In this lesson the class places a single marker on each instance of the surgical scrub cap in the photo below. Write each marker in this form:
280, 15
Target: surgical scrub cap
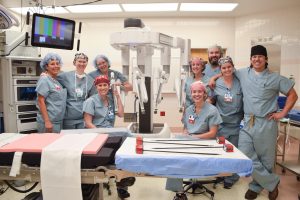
215, 46
101, 79
48, 57
259, 50
198, 85
203, 62
101, 57
224, 60
80, 55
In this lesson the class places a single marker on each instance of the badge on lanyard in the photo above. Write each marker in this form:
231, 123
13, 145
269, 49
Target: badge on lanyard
111, 114
79, 92
57, 87
228, 96
191, 119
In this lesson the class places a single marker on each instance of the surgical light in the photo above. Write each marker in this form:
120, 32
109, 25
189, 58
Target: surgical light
218, 7
150, 7
95, 8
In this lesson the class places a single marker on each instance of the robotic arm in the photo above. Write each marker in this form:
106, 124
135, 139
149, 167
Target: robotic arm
139, 81
163, 74
185, 46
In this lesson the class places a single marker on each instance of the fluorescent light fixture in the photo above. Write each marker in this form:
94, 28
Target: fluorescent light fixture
45, 10
208, 6
150, 7
95, 8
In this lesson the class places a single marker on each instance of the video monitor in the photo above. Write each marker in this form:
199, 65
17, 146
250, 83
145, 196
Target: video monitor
52, 32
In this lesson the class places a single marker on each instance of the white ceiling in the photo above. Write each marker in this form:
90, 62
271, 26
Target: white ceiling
245, 7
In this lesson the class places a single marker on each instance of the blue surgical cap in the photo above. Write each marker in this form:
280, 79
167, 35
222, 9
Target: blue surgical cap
48, 57
101, 57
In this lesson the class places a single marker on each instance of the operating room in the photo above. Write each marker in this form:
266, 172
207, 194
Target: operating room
148, 137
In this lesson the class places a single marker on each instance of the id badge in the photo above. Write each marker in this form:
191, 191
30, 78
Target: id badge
191, 119
228, 97
79, 92
111, 114
57, 87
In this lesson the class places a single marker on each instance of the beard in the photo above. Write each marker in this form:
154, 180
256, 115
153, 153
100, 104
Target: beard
214, 61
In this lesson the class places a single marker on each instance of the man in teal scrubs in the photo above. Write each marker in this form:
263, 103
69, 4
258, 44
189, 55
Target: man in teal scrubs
257, 139
212, 68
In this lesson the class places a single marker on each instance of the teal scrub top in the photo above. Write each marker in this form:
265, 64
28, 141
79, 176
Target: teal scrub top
55, 99
229, 101
260, 92
210, 72
117, 75
78, 90
103, 116
202, 122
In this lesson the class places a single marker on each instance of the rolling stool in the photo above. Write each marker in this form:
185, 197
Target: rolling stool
194, 185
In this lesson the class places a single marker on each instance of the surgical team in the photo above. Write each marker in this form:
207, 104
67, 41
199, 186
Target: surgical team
218, 98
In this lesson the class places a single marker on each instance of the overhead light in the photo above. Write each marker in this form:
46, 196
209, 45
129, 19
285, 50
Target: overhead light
45, 10
95, 8
150, 7
208, 6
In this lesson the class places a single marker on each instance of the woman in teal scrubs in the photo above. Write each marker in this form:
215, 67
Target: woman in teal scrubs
102, 65
197, 67
51, 96
229, 102
201, 120
79, 87
99, 109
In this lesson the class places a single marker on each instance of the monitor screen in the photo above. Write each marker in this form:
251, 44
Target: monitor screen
52, 32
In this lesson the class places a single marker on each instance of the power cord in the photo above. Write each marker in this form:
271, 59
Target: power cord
21, 191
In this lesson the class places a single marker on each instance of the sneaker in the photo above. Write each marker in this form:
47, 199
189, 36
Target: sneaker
122, 193
228, 185
250, 195
274, 194
126, 182
180, 196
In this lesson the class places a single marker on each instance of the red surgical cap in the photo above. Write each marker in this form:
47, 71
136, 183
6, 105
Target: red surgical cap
101, 79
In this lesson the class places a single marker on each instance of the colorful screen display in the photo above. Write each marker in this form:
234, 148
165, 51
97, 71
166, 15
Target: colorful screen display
52, 32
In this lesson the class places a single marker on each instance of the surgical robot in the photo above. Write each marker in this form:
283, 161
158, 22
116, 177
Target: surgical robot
136, 37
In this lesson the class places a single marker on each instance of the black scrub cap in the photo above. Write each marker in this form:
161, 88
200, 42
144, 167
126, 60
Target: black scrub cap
259, 50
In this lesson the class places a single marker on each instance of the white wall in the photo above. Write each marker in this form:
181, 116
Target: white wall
284, 23
203, 32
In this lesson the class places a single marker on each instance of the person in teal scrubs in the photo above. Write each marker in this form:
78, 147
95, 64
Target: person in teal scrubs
99, 109
201, 120
197, 66
99, 112
51, 96
228, 98
102, 65
79, 87
258, 137
212, 68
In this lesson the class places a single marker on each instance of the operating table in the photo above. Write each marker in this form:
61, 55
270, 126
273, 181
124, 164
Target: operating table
119, 160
